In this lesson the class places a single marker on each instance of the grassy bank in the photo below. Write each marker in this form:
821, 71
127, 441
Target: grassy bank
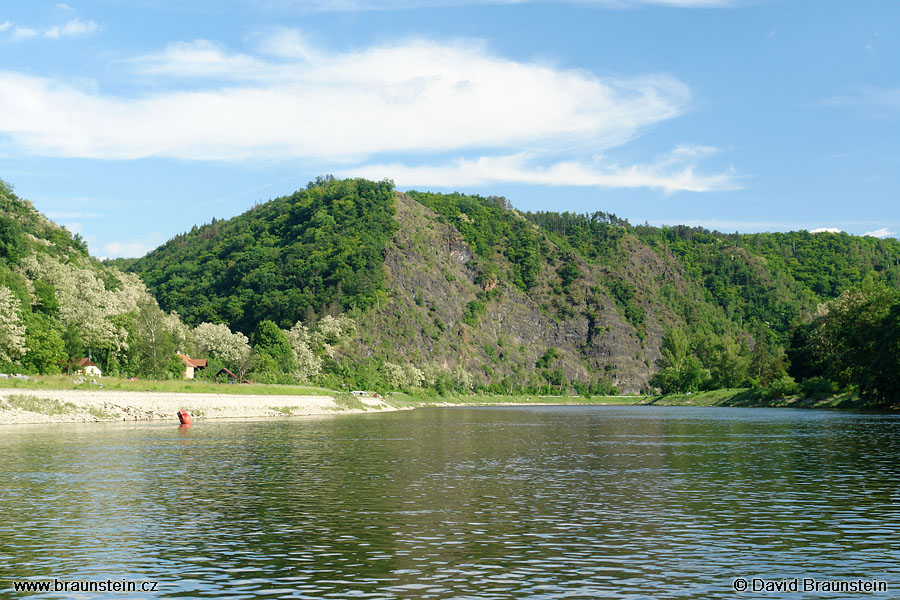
402, 400
742, 397
746, 397
750, 397
192, 386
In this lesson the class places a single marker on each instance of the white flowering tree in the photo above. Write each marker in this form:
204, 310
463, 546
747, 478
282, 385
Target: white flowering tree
218, 341
308, 365
12, 329
331, 331
462, 379
403, 376
85, 301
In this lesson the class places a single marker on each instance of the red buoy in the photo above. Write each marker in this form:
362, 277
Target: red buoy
184, 417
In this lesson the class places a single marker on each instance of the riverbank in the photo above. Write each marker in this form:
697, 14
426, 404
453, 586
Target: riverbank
58, 400
78, 406
759, 398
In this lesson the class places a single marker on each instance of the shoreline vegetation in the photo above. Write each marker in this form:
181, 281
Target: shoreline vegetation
58, 399
350, 284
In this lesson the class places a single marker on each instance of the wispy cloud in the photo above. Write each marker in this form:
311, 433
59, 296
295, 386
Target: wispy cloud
504, 120
73, 28
65, 7
23, 33
672, 173
206, 59
881, 233
133, 248
372, 5
870, 102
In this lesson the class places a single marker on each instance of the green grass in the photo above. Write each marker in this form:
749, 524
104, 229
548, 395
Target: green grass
44, 406
758, 398
195, 386
101, 414
402, 400
346, 401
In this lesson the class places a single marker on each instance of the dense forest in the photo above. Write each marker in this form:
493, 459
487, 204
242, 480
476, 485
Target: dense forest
350, 283
318, 250
58, 305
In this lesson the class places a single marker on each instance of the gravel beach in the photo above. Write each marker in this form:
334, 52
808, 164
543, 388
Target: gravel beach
78, 406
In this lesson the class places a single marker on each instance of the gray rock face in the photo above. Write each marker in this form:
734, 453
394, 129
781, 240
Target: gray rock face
431, 274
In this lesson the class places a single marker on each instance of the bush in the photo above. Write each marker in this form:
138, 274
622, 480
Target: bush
782, 387
817, 386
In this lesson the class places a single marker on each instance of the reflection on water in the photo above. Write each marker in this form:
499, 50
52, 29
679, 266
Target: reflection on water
536, 502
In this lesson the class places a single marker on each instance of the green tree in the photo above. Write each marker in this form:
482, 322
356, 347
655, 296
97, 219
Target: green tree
273, 350
73, 346
153, 343
46, 350
678, 369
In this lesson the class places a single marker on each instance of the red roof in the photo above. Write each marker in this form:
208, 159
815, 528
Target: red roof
197, 363
86, 362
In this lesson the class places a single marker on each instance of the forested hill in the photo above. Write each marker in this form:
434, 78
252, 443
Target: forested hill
768, 277
320, 249
59, 305
519, 300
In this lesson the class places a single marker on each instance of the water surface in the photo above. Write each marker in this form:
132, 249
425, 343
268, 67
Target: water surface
501, 502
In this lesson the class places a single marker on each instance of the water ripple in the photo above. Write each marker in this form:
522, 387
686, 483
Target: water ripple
537, 502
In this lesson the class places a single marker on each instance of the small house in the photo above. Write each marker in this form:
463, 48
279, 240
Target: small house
89, 367
191, 365
229, 376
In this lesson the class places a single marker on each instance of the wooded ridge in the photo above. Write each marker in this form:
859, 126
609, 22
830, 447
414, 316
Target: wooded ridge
351, 283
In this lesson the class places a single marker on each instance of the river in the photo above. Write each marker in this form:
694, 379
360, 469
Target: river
498, 502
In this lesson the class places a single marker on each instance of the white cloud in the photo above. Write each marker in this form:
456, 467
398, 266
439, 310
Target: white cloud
202, 58
825, 230
670, 174
415, 96
289, 44
23, 33
881, 233
133, 248
504, 120
871, 102
74, 227
65, 7
74, 28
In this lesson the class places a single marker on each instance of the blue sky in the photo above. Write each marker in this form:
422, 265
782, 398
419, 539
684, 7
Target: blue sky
129, 122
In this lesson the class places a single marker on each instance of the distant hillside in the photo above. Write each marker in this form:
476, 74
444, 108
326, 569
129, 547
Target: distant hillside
59, 305
519, 300
317, 250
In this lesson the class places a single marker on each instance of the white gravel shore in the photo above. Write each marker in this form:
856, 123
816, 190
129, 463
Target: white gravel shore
77, 406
